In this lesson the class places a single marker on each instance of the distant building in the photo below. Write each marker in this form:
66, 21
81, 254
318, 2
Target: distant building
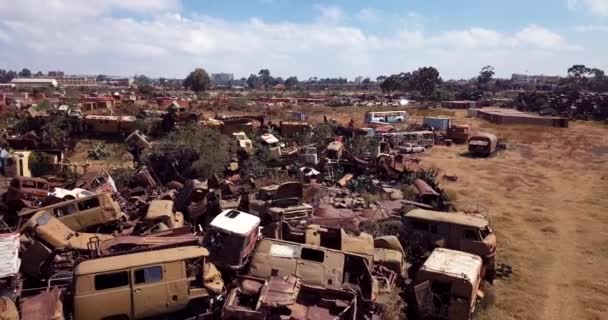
118, 81
222, 79
34, 83
77, 81
56, 74
521, 79
358, 80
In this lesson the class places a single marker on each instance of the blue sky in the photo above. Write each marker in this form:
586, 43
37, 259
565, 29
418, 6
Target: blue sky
303, 37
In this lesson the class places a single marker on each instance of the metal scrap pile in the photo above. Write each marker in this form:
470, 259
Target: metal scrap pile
229, 248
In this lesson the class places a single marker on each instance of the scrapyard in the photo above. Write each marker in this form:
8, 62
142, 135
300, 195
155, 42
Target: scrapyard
325, 222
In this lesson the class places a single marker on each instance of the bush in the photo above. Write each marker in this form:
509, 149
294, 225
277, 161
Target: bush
193, 151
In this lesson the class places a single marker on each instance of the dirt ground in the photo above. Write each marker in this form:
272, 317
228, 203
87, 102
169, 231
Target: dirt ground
547, 199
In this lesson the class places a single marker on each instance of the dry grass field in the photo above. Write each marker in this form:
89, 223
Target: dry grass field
547, 198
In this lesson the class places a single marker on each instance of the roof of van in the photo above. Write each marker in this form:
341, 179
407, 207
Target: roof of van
449, 217
235, 221
484, 135
139, 259
456, 264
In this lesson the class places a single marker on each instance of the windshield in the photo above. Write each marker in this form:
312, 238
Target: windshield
486, 232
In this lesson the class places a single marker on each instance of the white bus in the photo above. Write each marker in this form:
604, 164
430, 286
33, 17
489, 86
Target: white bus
422, 138
386, 116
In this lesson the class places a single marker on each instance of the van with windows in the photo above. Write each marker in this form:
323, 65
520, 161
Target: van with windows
456, 231
81, 214
396, 116
146, 284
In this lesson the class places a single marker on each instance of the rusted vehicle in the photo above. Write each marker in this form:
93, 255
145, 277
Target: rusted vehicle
231, 238
138, 140
46, 305
81, 214
17, 162
161, 213
294, 130
146, 284
260, 299
387, 251
95, 181
456, 231
99, 124
10, 278
280, 202
316, 266
334, 151
447, 285
44, 240
244, 142
483, 144
25, 192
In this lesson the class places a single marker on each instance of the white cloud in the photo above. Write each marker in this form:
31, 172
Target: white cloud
597, 7
591, 28
165, 42
330, 14
369, 15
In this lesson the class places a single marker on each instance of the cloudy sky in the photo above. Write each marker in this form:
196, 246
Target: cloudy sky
303, 37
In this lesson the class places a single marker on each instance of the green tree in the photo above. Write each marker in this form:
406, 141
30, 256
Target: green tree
485, 75
25, 73
578, 71
193, 151
425, 80
253, 81
198, 80
291, 82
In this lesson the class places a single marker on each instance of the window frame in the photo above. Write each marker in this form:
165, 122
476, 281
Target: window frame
145, 275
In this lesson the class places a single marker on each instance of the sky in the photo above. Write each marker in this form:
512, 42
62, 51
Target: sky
305, 38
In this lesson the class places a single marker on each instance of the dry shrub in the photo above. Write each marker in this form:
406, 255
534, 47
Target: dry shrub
394, 308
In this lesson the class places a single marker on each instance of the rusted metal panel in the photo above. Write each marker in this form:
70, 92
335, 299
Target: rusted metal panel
45, 306
424, 189
424, 299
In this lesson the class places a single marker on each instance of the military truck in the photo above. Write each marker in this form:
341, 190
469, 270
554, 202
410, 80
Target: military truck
280, 202
456, 231
147, 284
483, 144
447, 285
317, 266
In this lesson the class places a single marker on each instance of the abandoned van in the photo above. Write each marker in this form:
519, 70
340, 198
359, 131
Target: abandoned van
483, 144
145, 284
231, 238
316, 266
448, 285
82, 213
24, 192
456, 231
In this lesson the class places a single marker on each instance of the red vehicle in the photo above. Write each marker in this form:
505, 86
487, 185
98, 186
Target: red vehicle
25, 192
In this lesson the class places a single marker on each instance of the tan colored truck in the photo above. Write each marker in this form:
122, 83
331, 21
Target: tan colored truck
448, 285
146, 284
456, 231
483, 144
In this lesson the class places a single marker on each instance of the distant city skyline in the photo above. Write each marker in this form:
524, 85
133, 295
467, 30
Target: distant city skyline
338, 38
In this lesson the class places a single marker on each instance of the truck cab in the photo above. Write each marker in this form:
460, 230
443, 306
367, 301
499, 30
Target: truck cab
231, 238
280, 202
456, 231
448, 285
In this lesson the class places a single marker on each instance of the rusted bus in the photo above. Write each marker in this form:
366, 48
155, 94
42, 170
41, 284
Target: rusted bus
294, 130
100, 124
259, 299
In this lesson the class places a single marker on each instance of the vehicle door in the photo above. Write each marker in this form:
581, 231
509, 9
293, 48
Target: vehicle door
149, 291
471, 242
91, 212
311, 266
109, 295
439, 234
